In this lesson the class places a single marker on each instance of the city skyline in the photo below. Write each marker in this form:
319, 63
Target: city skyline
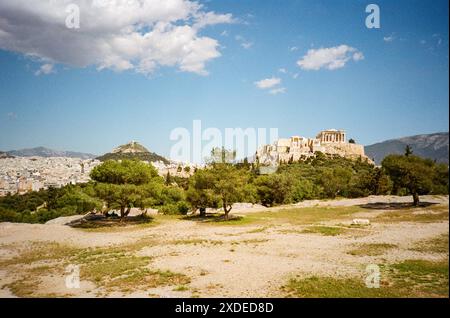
301, 67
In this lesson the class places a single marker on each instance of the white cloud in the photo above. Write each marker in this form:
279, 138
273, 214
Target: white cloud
329, 58
389, 38
295, 76
224, 33
211, 18
293, 48
268, 82
139, 35
276, 91
282, 70
272, 85
247, 45
45, 69
358, 56
244, 43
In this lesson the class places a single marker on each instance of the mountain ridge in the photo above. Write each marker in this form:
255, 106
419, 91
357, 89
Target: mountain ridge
47, 152
434, 146
132, 150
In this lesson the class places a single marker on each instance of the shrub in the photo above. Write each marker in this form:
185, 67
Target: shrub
302, 190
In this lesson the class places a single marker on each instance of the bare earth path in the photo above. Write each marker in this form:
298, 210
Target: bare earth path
244, 259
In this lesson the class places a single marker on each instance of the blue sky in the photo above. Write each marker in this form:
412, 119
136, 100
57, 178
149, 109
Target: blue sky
399, 88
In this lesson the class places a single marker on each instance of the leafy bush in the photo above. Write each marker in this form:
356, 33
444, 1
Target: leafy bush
302, 190
181, 207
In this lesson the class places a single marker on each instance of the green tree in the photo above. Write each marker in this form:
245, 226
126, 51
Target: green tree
302, 189
274, 188
382, 184
200, 192
410, 172
168, 178
408, 151
229, 184
335, 181
121, 184
124, 172
122, 197
219, 181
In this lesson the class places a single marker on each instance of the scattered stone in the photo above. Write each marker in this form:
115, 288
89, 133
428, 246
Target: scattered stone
361, 222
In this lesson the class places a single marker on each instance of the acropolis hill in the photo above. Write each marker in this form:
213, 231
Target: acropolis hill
331, 141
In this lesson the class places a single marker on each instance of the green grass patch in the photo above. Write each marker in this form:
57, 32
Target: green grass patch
411, 278
195, 242
371, 249
181, 288
330, 287
324, 230
438, 244
421, 278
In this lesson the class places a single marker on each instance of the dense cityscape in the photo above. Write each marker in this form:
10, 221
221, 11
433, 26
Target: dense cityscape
24, 174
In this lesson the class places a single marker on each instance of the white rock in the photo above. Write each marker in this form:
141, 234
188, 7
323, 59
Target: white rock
360, 222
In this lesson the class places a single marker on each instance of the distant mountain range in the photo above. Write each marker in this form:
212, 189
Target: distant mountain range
46, 152
434, 146
132, 150
4, 155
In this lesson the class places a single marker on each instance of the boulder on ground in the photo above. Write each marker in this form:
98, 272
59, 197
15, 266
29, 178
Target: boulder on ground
361, 222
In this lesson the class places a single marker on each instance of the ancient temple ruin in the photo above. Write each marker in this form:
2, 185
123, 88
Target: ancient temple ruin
295, 148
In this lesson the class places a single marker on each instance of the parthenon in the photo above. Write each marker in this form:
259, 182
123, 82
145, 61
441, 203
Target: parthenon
330, 141
332, 135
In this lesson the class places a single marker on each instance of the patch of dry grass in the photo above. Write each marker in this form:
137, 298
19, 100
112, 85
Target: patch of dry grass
302, 216
371, 249
431, 214
438, 244
114, 268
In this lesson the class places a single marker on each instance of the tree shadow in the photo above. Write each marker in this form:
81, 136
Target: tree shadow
212, 218
100, 221
394, 205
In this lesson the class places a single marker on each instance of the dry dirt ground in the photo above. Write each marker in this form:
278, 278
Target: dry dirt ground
252, 256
